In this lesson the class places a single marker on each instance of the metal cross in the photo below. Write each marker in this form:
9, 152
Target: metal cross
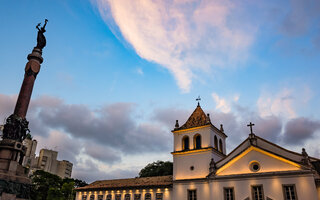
198, 99
251, 125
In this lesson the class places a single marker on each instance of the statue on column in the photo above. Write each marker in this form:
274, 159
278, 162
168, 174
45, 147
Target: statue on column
41, 39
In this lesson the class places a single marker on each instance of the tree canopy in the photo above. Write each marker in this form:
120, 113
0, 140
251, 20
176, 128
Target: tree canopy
158, 168
47, 186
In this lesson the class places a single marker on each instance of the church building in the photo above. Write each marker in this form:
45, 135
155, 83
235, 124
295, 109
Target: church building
256, 169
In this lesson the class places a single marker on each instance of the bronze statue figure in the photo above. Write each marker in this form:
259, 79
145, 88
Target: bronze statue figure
41, 40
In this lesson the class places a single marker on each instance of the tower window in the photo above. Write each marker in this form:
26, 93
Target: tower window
185, 143
197, 141
220, 146
215, 142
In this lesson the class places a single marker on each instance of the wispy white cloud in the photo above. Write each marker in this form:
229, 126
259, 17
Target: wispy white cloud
183, 36
221, 103
224, 104
280, 103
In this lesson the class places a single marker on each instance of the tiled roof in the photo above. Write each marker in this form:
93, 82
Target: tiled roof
157, 181
196, 119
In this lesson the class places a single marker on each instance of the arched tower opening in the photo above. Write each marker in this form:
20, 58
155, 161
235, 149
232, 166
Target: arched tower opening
197, 141
185, 143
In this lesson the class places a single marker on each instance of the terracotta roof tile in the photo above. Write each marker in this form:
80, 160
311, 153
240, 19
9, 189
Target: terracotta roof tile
157, 181
196, 119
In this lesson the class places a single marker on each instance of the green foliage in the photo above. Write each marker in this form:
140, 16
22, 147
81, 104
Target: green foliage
41, 183
47, 186
158, 168
67, 190
54, 194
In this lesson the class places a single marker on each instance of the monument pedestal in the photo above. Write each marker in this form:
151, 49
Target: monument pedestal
14, 181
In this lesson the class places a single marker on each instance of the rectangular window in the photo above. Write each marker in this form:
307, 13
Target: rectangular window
159, 196
92, 197
84, 197
257, 192
228, 194
289, 192
137, 196
192, 194
147, 196
109, 197
100, 197
127, 197
118, 196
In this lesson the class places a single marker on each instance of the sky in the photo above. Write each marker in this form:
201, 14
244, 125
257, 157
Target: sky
118, 73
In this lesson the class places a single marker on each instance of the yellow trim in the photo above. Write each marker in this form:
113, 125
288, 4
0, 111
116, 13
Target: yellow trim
258, 150
190, 129
191, 151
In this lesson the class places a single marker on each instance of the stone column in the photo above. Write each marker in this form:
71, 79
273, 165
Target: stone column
14, 180
31, 71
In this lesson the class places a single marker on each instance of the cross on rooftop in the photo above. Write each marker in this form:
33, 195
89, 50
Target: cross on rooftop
251, 125
198, 99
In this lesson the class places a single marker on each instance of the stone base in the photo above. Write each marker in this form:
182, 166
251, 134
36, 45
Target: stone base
6, 196
14, 181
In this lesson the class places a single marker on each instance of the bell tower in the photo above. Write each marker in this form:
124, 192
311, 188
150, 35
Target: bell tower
196, 143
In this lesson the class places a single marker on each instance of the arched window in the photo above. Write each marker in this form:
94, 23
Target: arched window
220, 145
185, 143
215, 142
197, 141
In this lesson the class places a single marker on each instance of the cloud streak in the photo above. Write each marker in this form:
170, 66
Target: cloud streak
182, 36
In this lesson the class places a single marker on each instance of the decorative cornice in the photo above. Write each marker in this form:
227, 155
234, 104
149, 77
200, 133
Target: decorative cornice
190, 129
192, 151
263, 174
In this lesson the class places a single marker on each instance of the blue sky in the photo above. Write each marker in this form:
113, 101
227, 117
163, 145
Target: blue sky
141, 65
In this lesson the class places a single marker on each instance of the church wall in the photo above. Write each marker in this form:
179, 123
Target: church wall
200, 161
180, 190
167, 192
272, 187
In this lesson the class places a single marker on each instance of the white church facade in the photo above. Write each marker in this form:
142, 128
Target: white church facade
255, 170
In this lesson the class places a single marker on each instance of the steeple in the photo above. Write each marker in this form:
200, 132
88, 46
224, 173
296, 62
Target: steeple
196, 119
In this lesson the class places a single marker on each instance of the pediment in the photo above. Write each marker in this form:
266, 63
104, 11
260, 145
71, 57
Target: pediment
247, 161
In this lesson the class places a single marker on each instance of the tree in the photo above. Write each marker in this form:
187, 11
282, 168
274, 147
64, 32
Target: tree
67, 190
47, 186
158, 168
41, 183
79, 183
55, 194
